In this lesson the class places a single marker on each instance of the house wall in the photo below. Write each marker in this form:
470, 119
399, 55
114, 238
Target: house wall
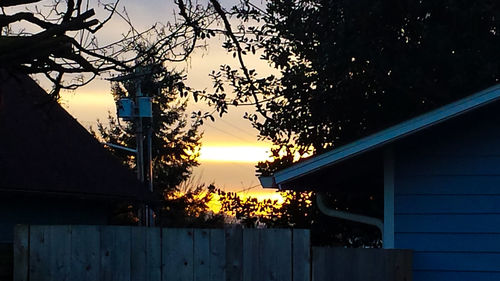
19, 210
447, 199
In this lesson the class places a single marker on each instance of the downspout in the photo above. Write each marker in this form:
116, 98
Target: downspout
320, 200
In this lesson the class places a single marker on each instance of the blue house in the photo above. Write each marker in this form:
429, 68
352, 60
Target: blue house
440, 178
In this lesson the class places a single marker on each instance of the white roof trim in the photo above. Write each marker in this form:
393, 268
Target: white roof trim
388, 135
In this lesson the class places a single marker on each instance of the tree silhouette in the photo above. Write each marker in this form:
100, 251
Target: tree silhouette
175, 146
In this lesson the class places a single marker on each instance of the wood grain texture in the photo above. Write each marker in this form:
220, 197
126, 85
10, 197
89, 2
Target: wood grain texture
153, 250
60, 252
217, 255
301, 264
361, 264
85, 246
39, 253
201, 254
234, 254
125, 253
177, 252
276, 254
115, 253
138, 254
251, 255
21, 252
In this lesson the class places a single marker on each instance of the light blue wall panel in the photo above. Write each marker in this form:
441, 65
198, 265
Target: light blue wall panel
451, 204
447, 199
448, 165
451, 242
459, 185
448, 223
456, 261
456, 275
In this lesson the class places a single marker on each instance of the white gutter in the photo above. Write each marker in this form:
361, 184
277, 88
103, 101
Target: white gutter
320, 200
267, 182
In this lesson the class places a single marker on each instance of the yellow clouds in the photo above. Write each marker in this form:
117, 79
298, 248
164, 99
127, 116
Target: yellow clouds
244, 154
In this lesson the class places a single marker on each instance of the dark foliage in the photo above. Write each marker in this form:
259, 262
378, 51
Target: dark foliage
350, 68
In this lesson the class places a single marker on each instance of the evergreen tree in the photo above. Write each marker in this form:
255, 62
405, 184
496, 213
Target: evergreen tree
175, 146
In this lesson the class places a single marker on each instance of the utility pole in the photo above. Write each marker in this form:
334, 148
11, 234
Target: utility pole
135, 110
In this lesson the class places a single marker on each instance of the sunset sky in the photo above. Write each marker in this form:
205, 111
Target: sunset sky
230, 147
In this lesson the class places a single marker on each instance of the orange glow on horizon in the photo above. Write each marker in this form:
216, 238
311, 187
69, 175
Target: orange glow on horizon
215, 206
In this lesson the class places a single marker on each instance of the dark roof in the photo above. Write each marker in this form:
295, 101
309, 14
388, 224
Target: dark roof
43, 149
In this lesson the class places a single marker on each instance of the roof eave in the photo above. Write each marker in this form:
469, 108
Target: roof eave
387, 136
268, 182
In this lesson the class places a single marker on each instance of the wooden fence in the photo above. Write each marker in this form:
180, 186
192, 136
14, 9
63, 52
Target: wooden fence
357, 264
137, 253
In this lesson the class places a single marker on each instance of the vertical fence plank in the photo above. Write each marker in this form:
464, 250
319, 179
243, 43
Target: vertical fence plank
60, 252
251, 256
115, 253
145, 254
361, 264
371, 262
217, 255
21, 252
122, 257
106, 252
276, 254
398, 265
318, 264
85, 244
301, 255
39, 253
177, 254
153, 249
138, 254
201, 256
403, 265
234, 254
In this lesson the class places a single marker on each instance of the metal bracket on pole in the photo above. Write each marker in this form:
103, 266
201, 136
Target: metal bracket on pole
131, 150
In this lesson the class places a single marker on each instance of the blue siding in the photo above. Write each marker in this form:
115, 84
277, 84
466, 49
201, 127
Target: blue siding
447, 199
457, 261
455, 204
452, 185
455, 275
448, 223
450, 242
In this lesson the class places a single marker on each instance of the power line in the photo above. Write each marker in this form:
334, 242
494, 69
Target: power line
235, 127
230, 134
248, 188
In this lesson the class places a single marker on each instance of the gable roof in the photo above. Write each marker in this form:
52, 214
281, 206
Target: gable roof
43, 149
383, 137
